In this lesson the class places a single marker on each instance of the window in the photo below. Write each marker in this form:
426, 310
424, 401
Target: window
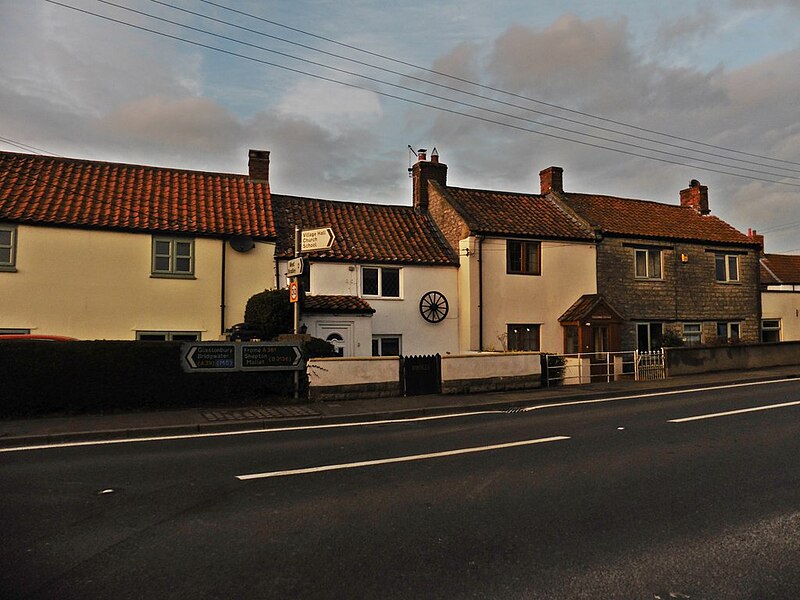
380, 281
385, 345
571, 340
523, 337
523, 258
173, 257
8, 247
771, 330
727, 267
168, 336
648, 336
692, 333
647, 264
729, 331
14, 331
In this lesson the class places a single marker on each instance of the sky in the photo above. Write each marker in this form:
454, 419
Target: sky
589, 86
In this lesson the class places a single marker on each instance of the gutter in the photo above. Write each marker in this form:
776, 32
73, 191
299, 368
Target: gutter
479, 239
222, 291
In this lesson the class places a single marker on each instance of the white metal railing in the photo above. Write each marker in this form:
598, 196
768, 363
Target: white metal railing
594, 367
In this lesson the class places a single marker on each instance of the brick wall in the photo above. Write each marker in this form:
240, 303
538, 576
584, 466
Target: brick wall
451, 224
687, 292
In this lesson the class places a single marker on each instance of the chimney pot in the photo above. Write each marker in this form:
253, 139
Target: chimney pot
258, 165
422, 154
435, 156
756, 237
551, 180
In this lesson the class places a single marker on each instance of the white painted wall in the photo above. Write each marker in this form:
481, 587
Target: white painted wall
786, 307
490, 365
396, 316
325, 372
568, 271
92, 284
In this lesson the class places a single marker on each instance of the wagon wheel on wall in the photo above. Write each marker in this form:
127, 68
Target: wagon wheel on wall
433, 307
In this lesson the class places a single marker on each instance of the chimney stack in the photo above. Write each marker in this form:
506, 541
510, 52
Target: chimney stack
696, 196
551, 180
258, 165
424, 171
756, 237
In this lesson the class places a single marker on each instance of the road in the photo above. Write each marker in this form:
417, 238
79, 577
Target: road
617, 498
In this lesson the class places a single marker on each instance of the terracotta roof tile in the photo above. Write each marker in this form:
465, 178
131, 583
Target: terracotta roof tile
777, 269
508, 213
335, 304
643, 218
364, 232
82, 193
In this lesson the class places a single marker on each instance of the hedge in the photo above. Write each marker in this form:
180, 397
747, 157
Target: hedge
42, 377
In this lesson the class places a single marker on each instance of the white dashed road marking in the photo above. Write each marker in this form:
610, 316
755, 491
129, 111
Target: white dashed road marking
734, 412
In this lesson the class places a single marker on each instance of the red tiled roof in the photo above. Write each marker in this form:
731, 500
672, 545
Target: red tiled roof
335, 304
777, 269
364, 232
508, 213
82, 193
643, 218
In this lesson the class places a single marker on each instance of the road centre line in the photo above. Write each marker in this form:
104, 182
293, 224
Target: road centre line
734, 412
382, 421
398, 459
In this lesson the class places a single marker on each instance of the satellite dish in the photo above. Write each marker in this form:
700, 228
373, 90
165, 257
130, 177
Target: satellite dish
242, 243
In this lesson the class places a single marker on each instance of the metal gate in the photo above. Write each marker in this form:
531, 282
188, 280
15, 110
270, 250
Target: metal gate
650, 365
422, 375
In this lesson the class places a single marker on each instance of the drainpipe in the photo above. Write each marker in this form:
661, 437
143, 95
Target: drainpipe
479, 239
222, 292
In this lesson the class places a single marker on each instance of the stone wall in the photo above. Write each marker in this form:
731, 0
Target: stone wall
692, 361
687, 292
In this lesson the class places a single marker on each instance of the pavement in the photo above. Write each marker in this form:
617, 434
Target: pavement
82, 428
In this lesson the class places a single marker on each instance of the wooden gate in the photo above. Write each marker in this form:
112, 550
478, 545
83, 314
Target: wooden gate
422, 375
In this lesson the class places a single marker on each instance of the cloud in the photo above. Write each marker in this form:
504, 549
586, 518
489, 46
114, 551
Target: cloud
196, 123
593, 65
332, 106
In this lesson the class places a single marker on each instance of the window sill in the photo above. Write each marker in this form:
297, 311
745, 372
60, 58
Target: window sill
650, 279
380, 297
171, 276
728, 282
7, 269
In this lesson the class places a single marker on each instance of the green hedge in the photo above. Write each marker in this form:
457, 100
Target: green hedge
41, 378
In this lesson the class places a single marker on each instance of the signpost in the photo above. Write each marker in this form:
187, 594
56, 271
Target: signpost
216, 357
261, 357
209, 357
295, 267
316, 239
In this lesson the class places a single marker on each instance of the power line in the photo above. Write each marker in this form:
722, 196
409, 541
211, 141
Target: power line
447, 87
419, 103
490, 88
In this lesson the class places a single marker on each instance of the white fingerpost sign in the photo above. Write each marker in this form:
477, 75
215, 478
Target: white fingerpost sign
316, 239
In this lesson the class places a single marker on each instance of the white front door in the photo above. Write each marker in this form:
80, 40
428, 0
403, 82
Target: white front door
338, 333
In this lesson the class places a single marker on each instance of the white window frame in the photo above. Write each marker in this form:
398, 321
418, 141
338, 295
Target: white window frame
691, 332
727, 261
10, 264
172, 271
647, 274
380, 338
380, 293
169, 336
771, 328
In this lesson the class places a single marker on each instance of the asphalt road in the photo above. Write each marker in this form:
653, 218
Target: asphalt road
592, 500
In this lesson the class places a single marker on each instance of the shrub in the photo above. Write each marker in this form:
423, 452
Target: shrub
272, 311
317, 348
669, 339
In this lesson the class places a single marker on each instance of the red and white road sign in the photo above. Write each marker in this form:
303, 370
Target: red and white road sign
294, 294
